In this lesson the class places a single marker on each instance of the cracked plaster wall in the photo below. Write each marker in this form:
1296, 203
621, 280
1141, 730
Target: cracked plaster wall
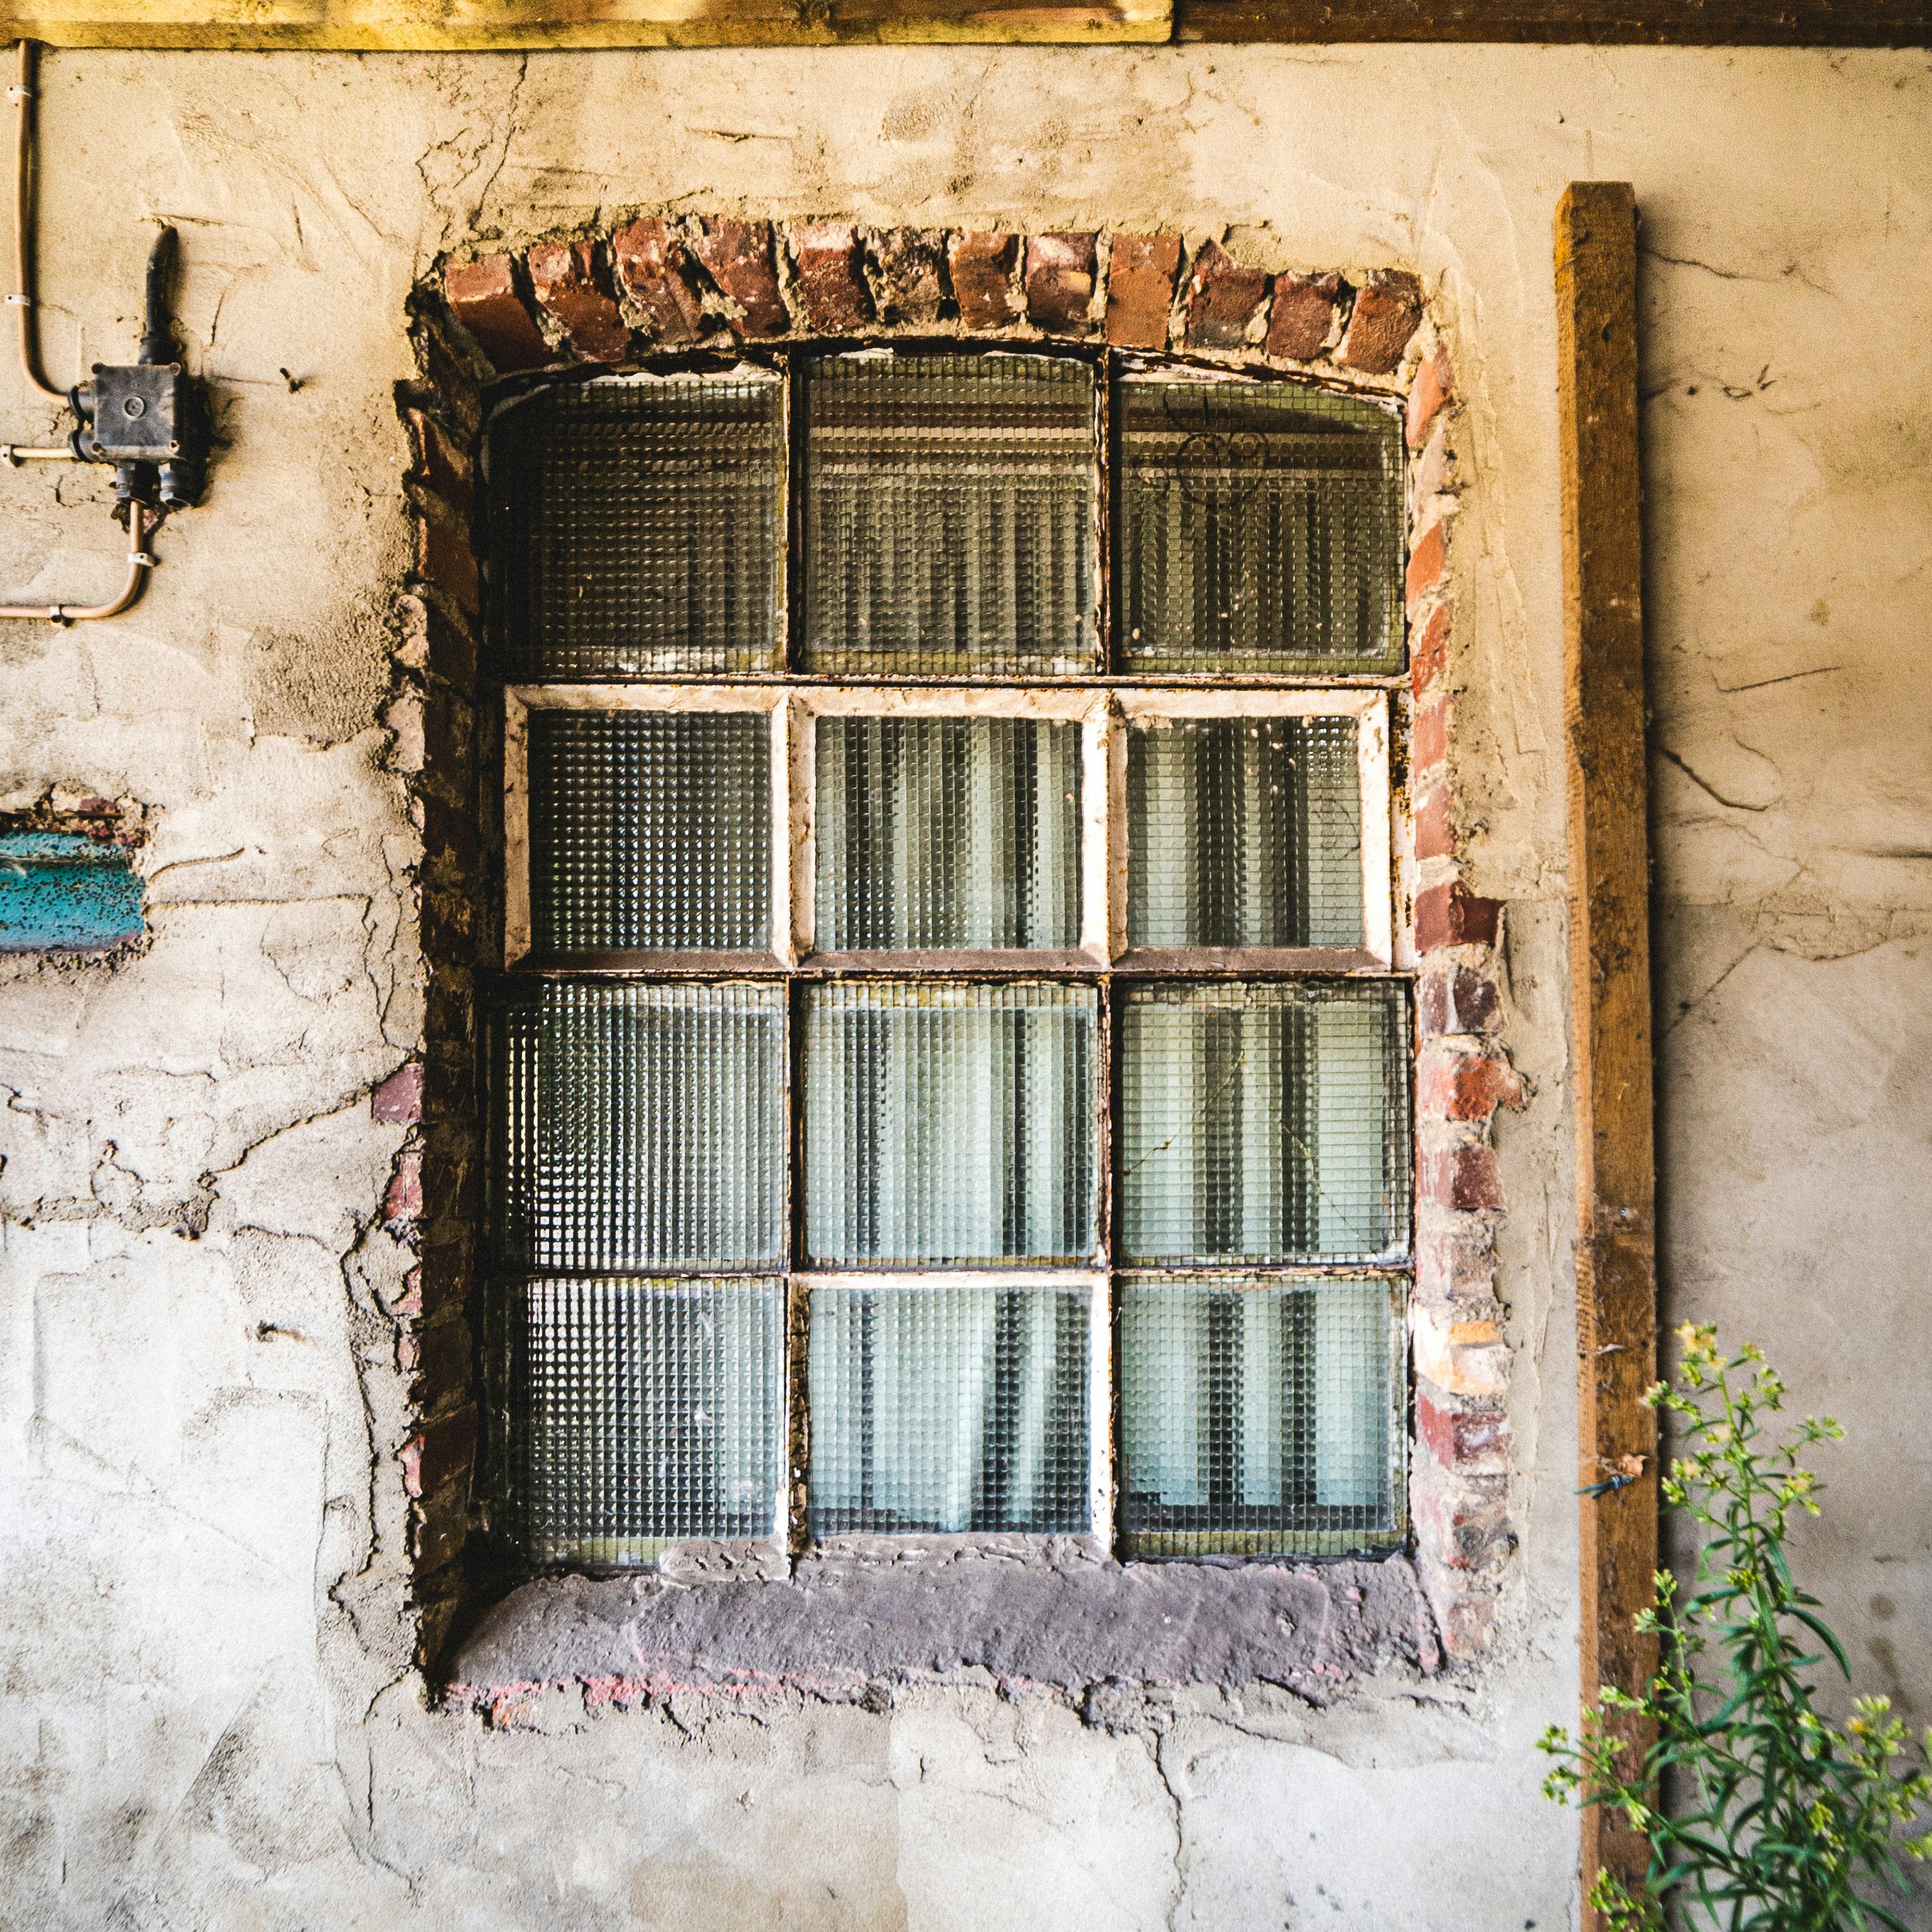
208, 1717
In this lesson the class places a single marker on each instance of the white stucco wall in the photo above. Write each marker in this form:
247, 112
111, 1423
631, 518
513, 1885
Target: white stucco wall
208, 1715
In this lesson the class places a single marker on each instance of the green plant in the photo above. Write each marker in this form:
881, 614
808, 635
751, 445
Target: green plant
1777, 1820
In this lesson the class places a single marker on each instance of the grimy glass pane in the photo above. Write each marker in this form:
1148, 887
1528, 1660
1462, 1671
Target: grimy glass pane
946, 1122
1260, 529
637, 1412
949, 505
640, 1127
1260, 1415
947, 832
1244, 831
638, 527
949, 1409
1264, 1121
650, 830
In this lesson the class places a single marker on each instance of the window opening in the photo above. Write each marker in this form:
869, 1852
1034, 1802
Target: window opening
945, 1084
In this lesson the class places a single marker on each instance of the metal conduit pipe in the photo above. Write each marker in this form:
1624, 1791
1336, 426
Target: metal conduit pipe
139, 563
22, 297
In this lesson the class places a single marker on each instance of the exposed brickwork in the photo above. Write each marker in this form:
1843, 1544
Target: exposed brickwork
1302, 322
737, 255
653, 272
1060, 270
1141, 271
911, 267
430, 1199
483, 298
830, 282
568, 278
982, 267
1224, 299
1461, 1452
1387, 314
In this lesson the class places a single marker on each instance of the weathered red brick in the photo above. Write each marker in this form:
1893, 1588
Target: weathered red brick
831, 284
1466, 1087
1465, 1618
1457, 1000
437, 1357
982, 267
1463, 1523
444, 1279
912, 273
440, 466
444, 560
1435, 471
439, 1525
1141, 272
1059, 281
1223, 298
1387, 312
1461, 1178
1436, 826
451, 1186
483, 299
653, 271
1456, 1262
1452, 915
737, 256
1430, 653
1434, 385
439, 1452
569, 279
1469, 1442
400, 1097
1428, 567
403, 1202
1303, 317
1428, 743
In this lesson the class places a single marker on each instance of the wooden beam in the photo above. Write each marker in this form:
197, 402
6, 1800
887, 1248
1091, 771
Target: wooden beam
1684, 23
446, 26
504, 25
1609, 962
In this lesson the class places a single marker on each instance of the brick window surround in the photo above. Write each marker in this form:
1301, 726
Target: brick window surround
664, 285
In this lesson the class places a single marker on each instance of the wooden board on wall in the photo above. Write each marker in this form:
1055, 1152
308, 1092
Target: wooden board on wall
487, 25
1720, 23
1609, 965
457, 25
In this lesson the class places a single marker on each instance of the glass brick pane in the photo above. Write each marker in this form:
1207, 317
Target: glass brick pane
1244, 831
950, 507
949, 1123
641, 1127
650, 830
1260, 529
947, 832
949, 1409
638, 527
1264, 1121
638, 1412
1262, 1415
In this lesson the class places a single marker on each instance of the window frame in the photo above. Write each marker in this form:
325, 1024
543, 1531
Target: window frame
1105, 701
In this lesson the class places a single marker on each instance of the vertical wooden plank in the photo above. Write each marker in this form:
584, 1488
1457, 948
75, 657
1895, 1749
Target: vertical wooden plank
1609, 961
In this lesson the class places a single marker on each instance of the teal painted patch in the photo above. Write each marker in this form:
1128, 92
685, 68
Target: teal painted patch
64, 893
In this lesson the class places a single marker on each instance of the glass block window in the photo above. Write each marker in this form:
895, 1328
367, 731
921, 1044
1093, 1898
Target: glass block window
949, 1407
650, 830
947, 833
950, 512
1260, 529
945, 1082
637, 527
